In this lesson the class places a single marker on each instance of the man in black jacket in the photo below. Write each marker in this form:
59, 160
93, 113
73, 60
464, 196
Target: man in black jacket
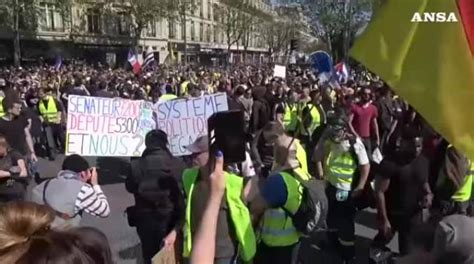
261, 110
158, 213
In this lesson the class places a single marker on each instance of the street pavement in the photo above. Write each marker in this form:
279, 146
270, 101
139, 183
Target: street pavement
124, 241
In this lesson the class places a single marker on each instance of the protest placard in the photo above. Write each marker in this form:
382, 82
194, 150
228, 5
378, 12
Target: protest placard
184, 120
279, 71
99, 126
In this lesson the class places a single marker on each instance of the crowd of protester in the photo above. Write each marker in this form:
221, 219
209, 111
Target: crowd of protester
366, 146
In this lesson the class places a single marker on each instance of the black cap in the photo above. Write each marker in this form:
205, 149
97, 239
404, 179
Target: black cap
75, 163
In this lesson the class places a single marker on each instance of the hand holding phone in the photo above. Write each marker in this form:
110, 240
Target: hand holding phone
94, 179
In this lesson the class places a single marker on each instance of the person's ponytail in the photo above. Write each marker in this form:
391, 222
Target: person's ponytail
20, 223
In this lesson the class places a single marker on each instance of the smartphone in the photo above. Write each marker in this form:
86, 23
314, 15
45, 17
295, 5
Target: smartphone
227, 134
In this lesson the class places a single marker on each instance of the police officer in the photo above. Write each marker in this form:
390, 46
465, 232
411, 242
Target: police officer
235, 238
51, 112
339, 155
279, 196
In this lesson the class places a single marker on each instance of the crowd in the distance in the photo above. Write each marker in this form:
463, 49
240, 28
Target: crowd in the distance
366, 147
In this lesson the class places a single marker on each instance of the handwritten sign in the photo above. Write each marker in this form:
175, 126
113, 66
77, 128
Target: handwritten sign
184, 120
99, 126
279, 71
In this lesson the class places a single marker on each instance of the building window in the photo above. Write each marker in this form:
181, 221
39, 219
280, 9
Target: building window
209, 9
183, 30
193, 32
216, 34
51, 18
201, 32
201, 11
171, 30
209, 33
93, 20
151, 29
123, 25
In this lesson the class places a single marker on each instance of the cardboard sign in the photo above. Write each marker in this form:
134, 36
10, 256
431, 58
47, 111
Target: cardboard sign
104, 127
165, 256
279, 71
184, 120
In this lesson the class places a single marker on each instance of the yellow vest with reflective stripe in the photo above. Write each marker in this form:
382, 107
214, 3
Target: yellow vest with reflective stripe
278, 229
464, 193
49, 113
239, 214
339, 169
315, 120
290, 117
2, 112
167, 97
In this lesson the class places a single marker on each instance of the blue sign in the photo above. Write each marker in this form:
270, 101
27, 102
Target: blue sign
321, 61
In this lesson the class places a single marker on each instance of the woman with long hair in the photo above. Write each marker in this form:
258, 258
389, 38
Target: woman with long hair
26, 237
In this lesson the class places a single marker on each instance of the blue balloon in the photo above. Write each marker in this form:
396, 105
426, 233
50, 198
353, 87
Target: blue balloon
321, 61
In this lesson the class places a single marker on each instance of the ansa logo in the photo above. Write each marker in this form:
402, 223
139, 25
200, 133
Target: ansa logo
436, 17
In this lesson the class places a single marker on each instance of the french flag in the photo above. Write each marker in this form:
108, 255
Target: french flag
342, 72
133, 60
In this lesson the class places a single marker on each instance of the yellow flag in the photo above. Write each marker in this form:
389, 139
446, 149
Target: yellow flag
427, 63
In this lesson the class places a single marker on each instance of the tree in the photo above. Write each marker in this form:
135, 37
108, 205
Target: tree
232, 17
278, 34
143, 12
250, 21
23, 15
337, 23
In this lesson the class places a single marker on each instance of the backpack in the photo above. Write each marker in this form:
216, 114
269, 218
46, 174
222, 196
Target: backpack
311, 215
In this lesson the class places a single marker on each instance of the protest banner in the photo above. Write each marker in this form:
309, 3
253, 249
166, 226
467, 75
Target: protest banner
104, 127
184, 120
279, 71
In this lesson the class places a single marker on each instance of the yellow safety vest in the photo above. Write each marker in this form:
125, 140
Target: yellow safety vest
278, 229
167, 97
184, 88
315, 120
301, 156
339, 169
290, 118
50, 113
464, 193
239, 214
2, 112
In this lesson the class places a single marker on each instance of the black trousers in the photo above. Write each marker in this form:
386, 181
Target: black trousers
341, 218
404, 224
276, 255
151, 238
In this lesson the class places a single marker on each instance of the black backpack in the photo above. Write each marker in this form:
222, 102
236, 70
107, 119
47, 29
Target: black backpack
311, 215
